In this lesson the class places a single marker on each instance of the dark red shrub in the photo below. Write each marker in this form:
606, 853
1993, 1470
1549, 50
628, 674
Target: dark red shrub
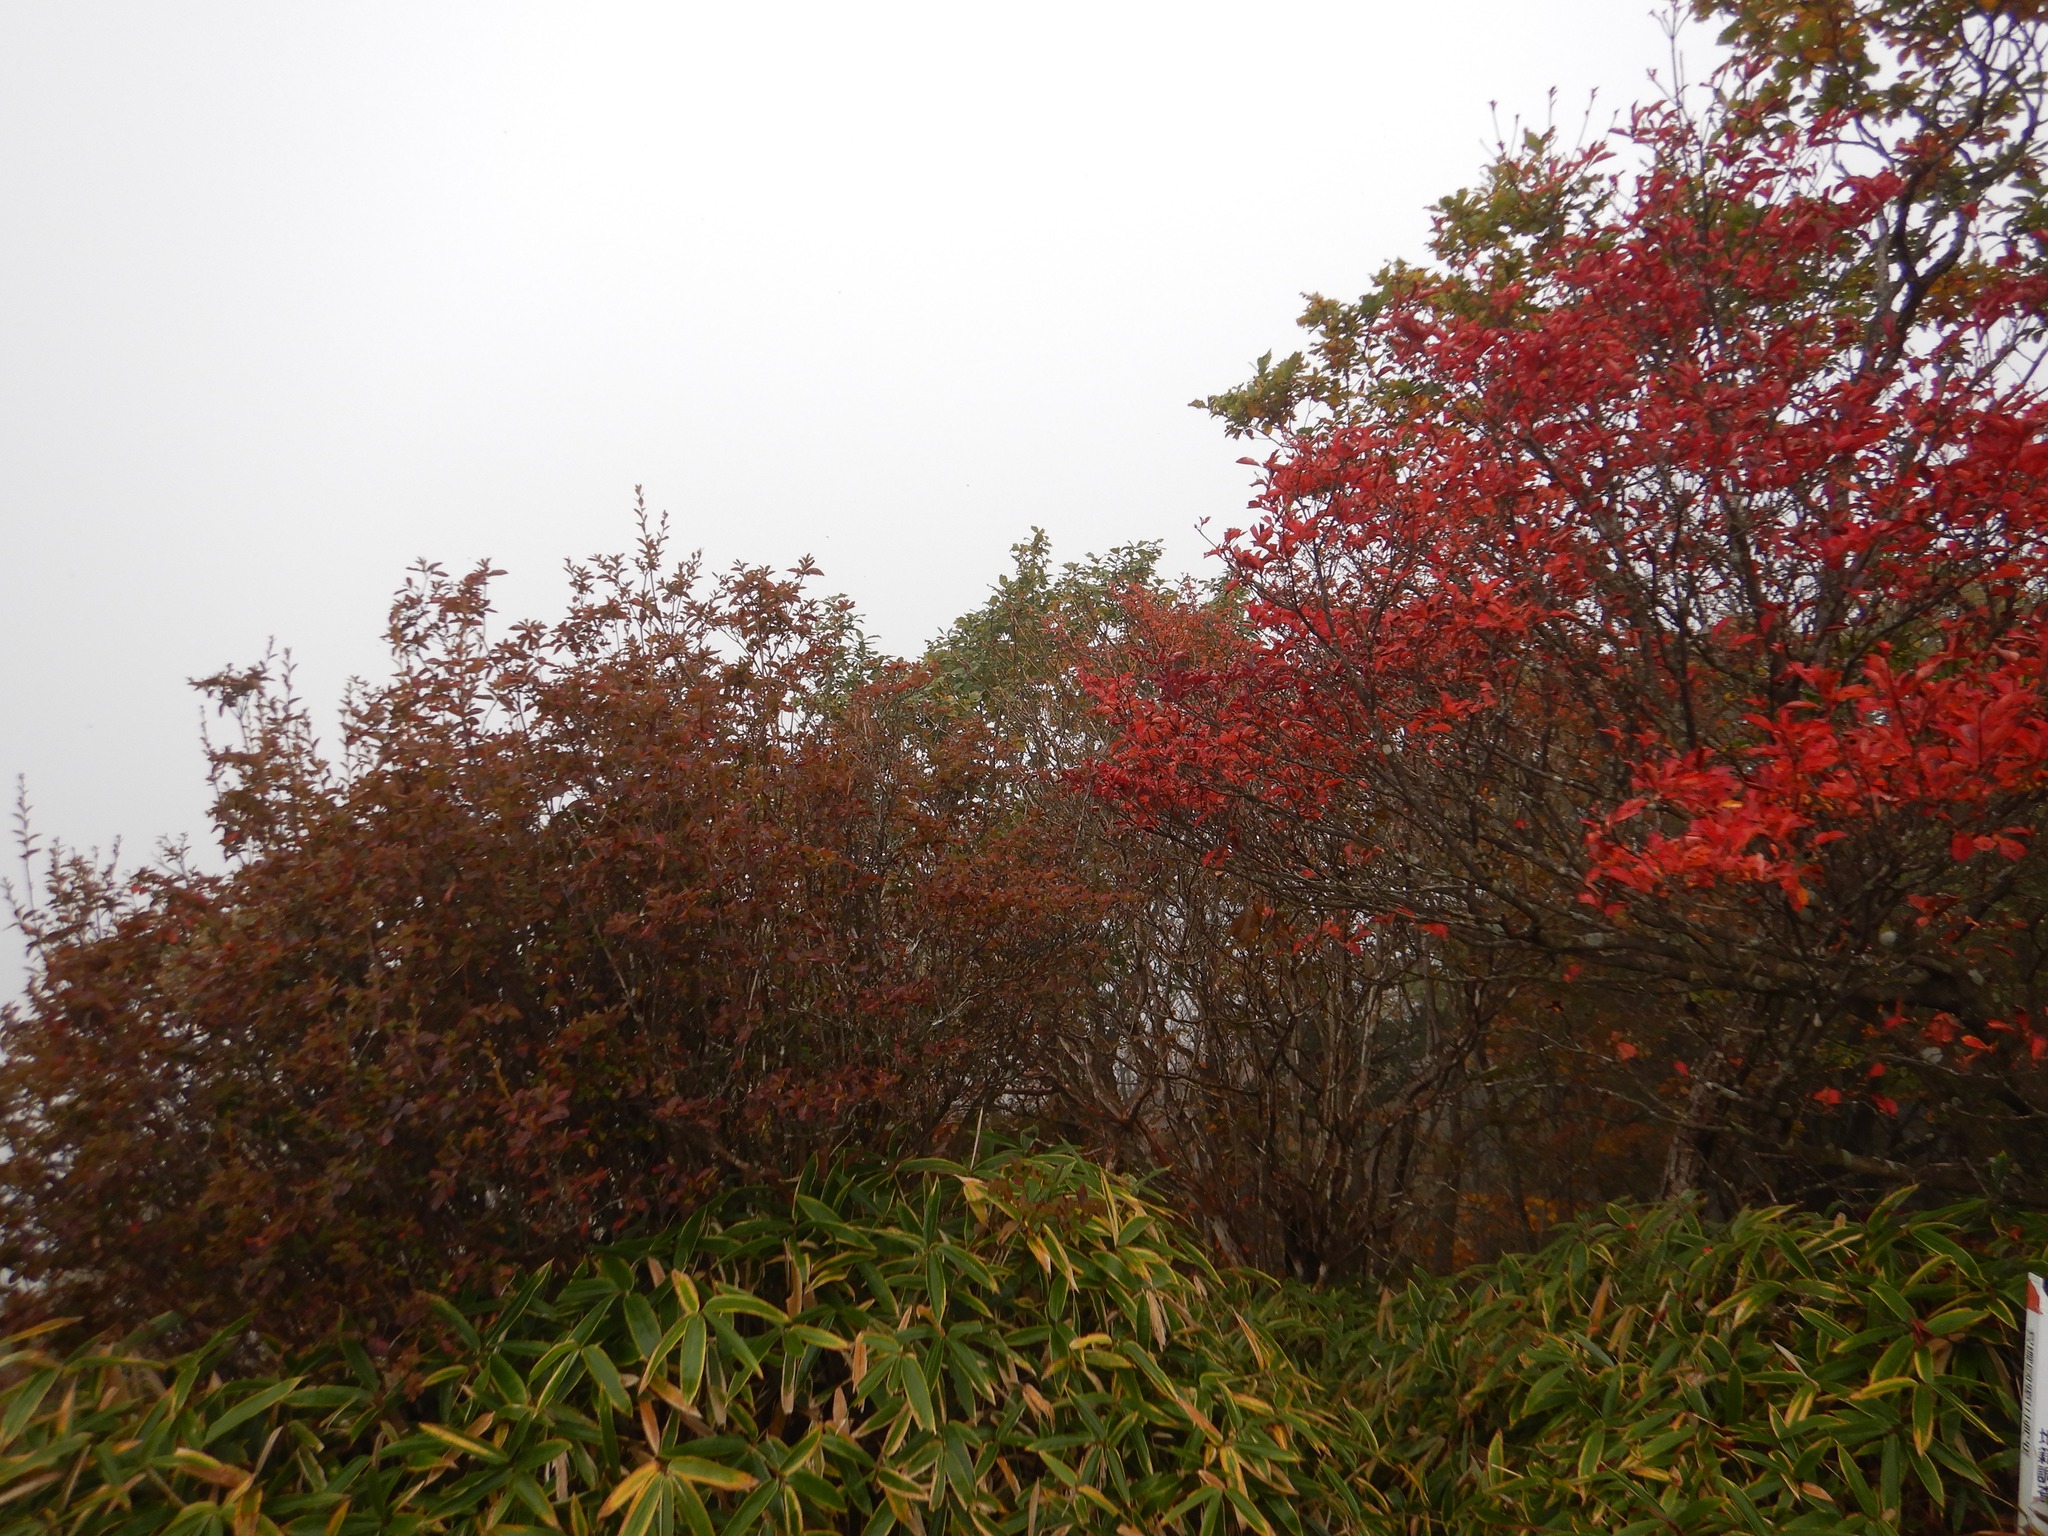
583, 919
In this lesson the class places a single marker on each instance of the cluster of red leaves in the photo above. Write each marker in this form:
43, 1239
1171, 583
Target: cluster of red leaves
1668, 591
1633, 512
586, 919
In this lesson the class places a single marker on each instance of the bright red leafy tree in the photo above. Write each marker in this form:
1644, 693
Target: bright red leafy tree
1655, 593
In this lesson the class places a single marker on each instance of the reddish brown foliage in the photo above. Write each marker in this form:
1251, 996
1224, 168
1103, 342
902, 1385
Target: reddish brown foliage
584, 919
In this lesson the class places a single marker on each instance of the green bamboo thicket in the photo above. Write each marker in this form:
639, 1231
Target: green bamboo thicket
1030, 1347
1648, 1371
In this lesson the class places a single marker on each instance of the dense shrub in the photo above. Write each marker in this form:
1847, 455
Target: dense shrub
1648, 1372
1307, 1099
1615, 762
1030, 1347
582, 921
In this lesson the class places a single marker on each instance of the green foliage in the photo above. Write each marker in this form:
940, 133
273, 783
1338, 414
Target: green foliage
1030, 1347
1652, 1372
1015, 661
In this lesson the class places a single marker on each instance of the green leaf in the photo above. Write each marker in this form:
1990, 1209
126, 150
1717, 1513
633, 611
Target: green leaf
817, 1492
690, 1360
690, 1504
641, 1325
249, 1408
468, 1444
452, 1315
743, 1519
916, 1392
817, 1338
26, 1397
606, 1375
712, 1474
744, 1304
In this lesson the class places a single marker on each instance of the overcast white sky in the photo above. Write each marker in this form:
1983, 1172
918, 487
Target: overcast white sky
291, 295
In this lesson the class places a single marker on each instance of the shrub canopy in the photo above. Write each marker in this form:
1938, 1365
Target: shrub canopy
584, 920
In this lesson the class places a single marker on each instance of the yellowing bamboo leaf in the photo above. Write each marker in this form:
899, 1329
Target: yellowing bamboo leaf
468, 1444
695, 1469
208, 1470
630, 1487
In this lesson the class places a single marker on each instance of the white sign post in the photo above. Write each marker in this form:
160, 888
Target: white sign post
2034, 1415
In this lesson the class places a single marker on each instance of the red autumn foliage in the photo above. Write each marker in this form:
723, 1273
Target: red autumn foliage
584, 919
1656, 593
1617, 760
1322, 1103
